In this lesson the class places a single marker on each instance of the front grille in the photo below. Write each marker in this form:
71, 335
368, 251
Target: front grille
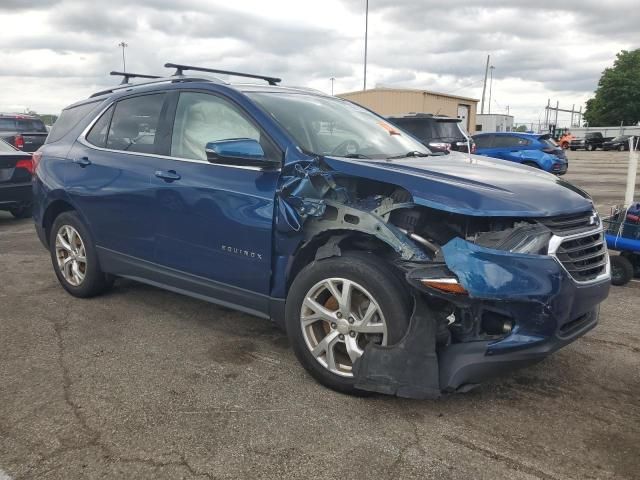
571, 224
585, 258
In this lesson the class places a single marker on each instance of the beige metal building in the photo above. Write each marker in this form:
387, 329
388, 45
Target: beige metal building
393, 101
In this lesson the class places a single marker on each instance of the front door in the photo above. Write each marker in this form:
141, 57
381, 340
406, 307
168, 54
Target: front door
217, 219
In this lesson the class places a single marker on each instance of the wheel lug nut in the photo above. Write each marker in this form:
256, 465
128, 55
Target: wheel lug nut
339, 315
352, 333
351, 320
333, 325
341, 337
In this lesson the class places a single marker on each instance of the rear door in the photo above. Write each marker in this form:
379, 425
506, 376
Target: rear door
510, 147
110, 180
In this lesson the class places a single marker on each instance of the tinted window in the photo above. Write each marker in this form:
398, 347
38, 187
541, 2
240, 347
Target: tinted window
483, 141
8, 124
134, 124
624, 138
430, 129
30, 125
69, 118
503, 141
98, 134
202, 118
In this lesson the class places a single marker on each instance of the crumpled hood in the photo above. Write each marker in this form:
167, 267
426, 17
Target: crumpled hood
472, 185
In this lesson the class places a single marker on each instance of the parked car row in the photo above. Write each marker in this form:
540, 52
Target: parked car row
25, 132
16, 168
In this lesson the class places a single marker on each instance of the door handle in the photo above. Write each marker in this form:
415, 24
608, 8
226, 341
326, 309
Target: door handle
167, 175
82, 161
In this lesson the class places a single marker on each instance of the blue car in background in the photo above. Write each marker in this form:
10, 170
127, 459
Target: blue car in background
534, 150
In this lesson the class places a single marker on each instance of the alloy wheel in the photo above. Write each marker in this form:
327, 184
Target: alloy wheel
339, 317
71, 255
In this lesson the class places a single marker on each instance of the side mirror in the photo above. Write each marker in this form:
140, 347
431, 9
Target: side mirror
239, 151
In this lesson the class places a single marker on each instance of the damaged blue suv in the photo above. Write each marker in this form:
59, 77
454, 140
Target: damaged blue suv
392, 269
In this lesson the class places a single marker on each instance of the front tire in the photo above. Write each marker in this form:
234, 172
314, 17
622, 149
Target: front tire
621, 270
337, 306
21, 211
74, 257
589, 148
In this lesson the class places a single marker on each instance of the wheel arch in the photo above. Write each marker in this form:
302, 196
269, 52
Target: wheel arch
53, 210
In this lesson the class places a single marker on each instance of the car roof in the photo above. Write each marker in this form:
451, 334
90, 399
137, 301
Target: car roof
515, 134
24, 116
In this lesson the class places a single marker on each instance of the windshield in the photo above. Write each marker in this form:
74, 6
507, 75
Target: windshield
330, 126
624, 138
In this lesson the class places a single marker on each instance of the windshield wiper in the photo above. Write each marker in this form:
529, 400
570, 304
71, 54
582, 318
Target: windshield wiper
413, 153
355, 155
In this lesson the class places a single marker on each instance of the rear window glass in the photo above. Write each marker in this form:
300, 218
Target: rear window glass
624, 138
430, 129
8, 124
30, 125
503, 141
548, 142
69, 118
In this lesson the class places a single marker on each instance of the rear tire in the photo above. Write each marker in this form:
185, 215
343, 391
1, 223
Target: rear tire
621, 148
621, 270
589, 148
327, 326
21, 211
74, 257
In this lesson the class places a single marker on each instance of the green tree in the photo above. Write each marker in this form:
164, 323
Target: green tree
617, 98
521, 128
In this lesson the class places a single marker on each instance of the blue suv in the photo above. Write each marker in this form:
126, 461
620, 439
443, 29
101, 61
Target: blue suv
391, 269
534, 150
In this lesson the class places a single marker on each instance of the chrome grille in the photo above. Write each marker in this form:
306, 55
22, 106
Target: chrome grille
584, 257
571, 224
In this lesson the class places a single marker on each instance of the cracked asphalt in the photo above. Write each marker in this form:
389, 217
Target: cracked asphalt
142, 383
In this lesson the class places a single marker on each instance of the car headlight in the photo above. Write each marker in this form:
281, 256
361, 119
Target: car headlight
523, 238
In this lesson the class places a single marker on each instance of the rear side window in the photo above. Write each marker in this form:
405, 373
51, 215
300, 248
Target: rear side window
69, 118
503, 141
483, 141
98, 134
134, 124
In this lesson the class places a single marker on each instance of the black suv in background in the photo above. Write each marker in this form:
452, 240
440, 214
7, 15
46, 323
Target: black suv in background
438, 133
25, 132
591, 141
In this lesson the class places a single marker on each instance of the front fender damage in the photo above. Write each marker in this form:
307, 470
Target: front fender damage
407, 369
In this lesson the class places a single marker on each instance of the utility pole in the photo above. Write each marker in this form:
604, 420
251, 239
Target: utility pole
366, 38
124, 64
507, 109
332, 80
491, 69
484, 87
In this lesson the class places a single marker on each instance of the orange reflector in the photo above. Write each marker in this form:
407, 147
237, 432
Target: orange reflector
445, 285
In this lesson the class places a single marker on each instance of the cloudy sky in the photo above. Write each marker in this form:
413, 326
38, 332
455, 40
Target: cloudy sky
54, 52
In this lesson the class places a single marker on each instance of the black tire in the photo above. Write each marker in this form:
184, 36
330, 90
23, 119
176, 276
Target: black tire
21, 211
366, 270
621, 270
589, 147
621, 148
531, 164
573, 149
634, 260
95, 281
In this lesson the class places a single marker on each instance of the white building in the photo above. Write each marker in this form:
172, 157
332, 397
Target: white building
493, 122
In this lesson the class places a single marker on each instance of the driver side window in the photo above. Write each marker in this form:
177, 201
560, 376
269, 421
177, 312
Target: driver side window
202, 118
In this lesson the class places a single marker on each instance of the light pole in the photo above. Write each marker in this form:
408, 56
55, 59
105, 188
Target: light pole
366, 37
124, 64
332, 80
491, 69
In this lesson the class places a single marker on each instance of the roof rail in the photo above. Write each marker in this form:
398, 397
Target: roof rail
181, 68
126, 76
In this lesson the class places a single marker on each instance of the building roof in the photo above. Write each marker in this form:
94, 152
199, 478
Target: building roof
405, 90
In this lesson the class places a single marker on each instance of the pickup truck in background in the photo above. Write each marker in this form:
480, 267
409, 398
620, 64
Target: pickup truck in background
25, 132
591, 141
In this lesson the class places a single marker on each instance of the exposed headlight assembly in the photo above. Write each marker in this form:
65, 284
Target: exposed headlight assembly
525, 238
